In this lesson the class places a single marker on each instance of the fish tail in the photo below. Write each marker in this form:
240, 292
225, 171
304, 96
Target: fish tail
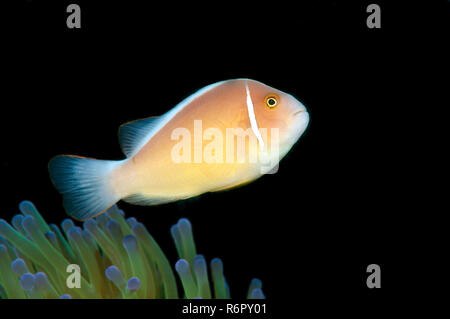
85, 184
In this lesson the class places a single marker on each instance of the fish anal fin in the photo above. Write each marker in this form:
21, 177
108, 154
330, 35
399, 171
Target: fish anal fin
144, 200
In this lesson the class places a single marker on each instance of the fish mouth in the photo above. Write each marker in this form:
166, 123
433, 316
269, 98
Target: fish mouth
298, 112
299, 117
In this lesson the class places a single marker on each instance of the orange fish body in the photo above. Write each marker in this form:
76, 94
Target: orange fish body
213, 140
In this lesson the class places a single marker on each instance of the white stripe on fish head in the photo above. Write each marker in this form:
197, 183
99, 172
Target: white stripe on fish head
251, 115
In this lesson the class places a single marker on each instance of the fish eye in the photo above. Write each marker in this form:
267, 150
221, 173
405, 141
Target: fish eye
271, 101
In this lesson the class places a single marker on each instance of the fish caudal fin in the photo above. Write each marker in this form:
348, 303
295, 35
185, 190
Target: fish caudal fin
85, 184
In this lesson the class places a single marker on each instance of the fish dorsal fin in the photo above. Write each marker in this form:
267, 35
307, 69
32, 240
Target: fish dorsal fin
133, 135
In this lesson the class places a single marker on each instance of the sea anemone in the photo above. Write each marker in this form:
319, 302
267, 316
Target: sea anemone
114, 257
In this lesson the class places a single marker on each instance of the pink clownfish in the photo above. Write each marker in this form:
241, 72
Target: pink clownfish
168, 161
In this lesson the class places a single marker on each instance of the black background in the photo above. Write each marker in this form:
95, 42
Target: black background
346, 196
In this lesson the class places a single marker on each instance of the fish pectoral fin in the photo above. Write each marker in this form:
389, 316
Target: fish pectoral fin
135, 134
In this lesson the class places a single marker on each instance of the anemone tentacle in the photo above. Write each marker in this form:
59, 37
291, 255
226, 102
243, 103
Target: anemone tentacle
117, 258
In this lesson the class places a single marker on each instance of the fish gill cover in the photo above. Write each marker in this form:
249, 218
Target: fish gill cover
116, 257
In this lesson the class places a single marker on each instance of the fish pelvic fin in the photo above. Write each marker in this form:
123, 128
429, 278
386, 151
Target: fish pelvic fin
85, 184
